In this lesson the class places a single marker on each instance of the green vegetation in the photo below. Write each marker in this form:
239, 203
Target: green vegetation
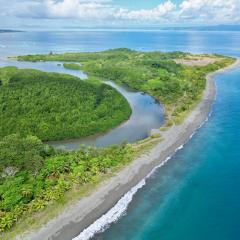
178, 86
36, 105
72, 66
55, 106
33, 176
36, 176
24, 154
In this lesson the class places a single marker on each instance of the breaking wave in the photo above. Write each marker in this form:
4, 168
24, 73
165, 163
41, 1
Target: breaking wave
120, 208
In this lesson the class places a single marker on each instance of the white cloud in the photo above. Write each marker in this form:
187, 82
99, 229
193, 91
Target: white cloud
100, 9
189, 11
210, 10
154, 14
80, 9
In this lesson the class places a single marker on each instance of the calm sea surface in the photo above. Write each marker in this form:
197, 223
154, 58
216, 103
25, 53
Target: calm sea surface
196, 195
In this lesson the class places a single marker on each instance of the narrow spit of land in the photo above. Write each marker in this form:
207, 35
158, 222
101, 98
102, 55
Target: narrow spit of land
179, 86
83, 213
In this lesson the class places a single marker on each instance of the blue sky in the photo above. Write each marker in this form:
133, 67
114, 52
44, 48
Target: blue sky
138, 4
43, 14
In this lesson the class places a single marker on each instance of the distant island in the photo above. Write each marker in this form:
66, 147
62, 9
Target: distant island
221, 27
206, 28
9, 31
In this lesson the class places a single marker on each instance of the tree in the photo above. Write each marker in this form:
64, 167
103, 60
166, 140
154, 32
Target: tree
23, 153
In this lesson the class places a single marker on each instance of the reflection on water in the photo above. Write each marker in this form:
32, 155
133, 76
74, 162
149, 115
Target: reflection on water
147, 113
43, 66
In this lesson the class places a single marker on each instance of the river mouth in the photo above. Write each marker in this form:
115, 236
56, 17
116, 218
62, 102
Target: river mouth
147, 113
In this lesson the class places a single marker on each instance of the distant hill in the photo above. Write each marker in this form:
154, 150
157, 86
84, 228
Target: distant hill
207, 28
8, 30
147, 28
156, 28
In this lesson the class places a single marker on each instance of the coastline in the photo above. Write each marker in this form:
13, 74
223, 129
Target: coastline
81, 214
72, 144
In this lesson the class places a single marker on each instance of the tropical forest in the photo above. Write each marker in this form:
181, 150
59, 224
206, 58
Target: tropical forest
37, 106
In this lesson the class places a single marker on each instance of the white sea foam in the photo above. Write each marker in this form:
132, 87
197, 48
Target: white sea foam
116, 212
111, 216
191, 135
179, 148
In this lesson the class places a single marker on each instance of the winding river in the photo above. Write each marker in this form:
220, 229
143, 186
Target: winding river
147, 113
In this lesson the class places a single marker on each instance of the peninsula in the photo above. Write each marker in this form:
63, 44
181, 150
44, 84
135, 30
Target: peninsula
66, 192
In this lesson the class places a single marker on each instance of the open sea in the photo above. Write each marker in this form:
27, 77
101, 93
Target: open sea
196, 194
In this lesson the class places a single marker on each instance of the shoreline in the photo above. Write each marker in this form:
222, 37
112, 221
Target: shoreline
69, 223
91, 140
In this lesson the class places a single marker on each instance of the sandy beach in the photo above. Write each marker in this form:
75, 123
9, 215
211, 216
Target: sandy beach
77, 217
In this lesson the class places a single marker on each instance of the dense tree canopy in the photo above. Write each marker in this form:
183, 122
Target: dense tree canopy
57, 106
178, 86
23, 153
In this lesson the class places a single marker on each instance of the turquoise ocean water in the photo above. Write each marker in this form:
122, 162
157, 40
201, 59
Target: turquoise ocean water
196, 194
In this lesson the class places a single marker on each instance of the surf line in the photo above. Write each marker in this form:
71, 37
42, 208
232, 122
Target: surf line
120, 208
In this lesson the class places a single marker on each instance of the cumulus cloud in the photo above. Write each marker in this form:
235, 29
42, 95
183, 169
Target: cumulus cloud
80, 9
210, 10
103, 9
207, 11
154, 14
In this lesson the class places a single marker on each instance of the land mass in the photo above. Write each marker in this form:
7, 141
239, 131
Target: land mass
222, 27
175, 84
229, 27
80, 215
39, 193
56, 106
8, 31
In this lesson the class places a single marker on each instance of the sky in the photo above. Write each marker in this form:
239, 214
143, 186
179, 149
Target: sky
58, 14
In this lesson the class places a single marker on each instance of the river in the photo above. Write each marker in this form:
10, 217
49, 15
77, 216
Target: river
147, 113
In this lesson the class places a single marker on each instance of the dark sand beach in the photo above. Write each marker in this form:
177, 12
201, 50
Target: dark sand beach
77, 217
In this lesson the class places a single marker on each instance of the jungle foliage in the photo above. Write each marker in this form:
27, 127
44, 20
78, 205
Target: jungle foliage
56, 106
178, 86
43, 176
